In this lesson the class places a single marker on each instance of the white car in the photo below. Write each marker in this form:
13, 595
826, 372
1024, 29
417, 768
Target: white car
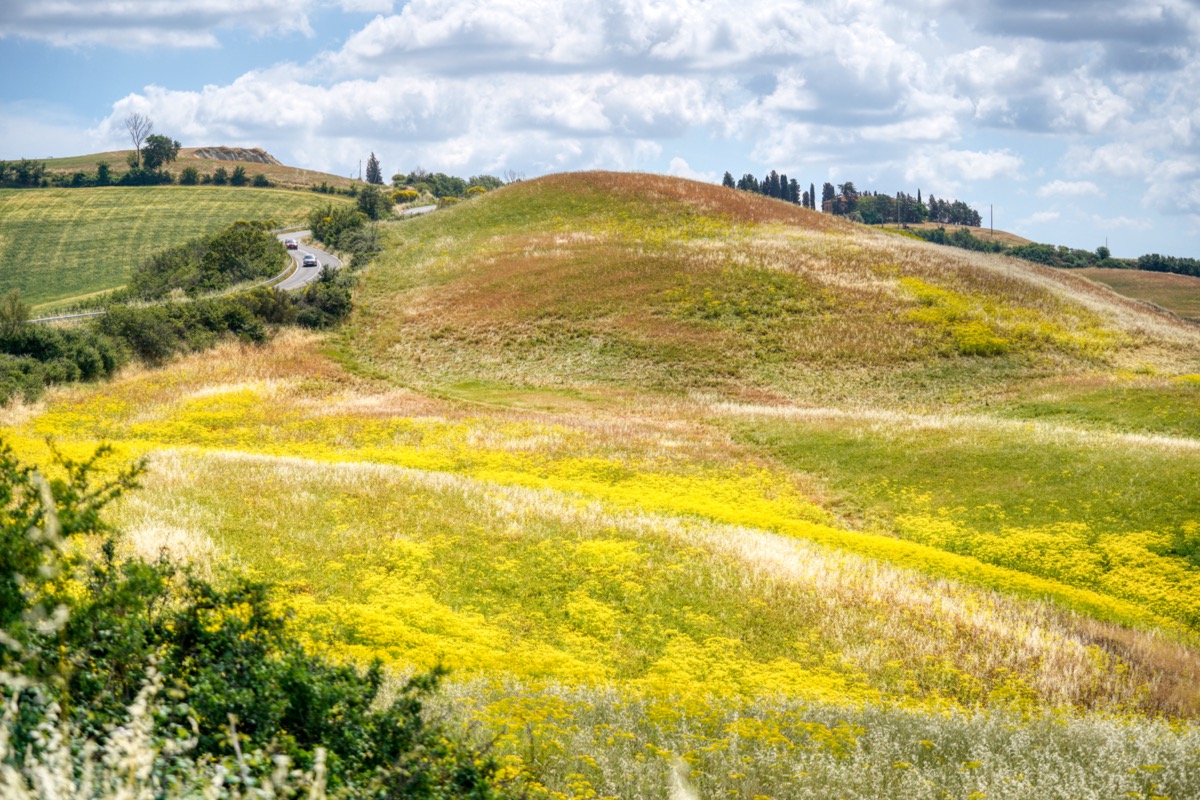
310, 261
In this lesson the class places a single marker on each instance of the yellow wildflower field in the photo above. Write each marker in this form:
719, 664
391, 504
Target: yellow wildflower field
646, 587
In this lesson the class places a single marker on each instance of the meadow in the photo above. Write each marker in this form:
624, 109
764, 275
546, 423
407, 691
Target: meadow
696, 491
1179, 294
59, 244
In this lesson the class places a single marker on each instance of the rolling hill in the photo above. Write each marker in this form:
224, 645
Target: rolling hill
206, 159
681, 480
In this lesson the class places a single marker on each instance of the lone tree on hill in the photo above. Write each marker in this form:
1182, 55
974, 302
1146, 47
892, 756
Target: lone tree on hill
139, 127
374, 173
159, 151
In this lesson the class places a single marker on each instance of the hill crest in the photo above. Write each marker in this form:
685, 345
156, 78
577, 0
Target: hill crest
674, 285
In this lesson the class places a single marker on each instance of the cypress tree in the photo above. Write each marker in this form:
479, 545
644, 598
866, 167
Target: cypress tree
374, 173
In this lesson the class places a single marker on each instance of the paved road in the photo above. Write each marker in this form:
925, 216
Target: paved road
301, 277
304, 275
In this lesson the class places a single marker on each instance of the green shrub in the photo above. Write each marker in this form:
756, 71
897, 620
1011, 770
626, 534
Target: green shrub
242, 252
331, 223
87, 633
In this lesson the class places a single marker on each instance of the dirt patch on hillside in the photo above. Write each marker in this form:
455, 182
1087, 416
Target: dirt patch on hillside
250, 155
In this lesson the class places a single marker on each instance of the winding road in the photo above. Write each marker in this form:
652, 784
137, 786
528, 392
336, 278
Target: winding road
304, 275
300, 275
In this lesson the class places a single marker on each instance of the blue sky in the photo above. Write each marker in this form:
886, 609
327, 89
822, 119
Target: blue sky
1078, 121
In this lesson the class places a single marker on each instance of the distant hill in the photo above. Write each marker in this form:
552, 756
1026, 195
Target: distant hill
206, 159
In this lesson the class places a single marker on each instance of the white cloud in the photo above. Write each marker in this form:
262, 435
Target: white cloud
1118, 159
946, 170
1122, 223
135, 24
680, 168
1086, 104
1069, 189
1174, 188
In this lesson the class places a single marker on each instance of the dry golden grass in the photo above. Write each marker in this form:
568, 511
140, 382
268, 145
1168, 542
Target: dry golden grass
279, 175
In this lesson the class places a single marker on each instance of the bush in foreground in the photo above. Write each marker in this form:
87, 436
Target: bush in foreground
124, 676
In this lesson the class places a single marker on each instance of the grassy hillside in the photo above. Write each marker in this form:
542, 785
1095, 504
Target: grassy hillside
1179, 294
606, 280
57, 244
671, 474
280, 175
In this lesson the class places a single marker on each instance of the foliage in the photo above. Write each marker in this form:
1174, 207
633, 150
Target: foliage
261, 181
91, 632
373, 202
959, 237
1180, 266
325, 301
155, 333
242, 252
36, 356
439, 184
22, 174
331, 223
158, 151
143, 176
486, 182
374, 173
189, 176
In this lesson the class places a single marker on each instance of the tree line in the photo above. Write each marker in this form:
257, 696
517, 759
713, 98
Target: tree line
868, 207
1061, 256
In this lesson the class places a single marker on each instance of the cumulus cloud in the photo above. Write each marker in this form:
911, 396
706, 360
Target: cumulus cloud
132, 24
1118, 159
946, 170
680, 168
1174, 188
1070, 189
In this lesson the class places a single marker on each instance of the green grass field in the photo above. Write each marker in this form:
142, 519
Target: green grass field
669, 475
57, 244
1179, 294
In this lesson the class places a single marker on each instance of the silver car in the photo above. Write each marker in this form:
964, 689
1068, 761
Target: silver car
310, 261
